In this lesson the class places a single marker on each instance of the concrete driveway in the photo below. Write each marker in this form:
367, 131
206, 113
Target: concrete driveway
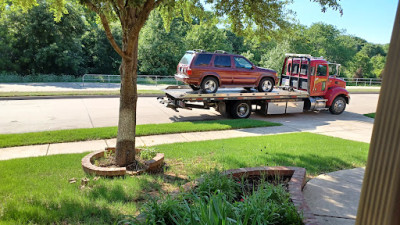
18, 116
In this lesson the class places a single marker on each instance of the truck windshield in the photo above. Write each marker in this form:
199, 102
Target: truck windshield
187, 58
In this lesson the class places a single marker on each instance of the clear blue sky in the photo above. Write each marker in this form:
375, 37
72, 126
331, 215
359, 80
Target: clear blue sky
371, 20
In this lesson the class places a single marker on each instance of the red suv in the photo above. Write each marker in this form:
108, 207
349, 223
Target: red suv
209, 71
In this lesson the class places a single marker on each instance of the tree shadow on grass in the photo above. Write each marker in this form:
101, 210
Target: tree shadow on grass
122, 192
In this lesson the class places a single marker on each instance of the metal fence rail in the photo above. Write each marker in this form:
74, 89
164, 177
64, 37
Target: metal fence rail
141, 79
363, 81
160, 79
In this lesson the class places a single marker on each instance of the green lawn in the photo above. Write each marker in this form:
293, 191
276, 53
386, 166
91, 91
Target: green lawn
371, 115
59, 136
364, 90
73, 93
36, 190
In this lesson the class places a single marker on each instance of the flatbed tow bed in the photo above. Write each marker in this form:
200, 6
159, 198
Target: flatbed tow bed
280, 100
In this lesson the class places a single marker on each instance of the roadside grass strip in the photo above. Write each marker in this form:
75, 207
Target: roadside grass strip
363, 90
73, 93
60, 136
41, 190
370, 115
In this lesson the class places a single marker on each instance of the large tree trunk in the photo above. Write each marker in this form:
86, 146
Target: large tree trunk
125, 149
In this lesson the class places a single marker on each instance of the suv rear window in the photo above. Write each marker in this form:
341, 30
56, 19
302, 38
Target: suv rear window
222, 61
203, 60
187, 58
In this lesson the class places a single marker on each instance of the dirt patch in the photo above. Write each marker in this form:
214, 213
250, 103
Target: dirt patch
109, 161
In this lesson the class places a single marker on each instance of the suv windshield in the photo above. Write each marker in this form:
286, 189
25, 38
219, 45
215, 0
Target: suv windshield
187, 58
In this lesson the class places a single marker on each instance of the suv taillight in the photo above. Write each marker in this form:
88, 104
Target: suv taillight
189, 71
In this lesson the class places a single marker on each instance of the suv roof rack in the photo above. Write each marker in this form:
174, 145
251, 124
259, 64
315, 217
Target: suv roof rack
199, 50
220, 51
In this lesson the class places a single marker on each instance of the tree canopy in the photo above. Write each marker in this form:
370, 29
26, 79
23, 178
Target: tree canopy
28, 50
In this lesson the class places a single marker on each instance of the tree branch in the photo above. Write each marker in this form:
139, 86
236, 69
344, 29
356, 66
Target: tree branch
107, 29
142, 16
157, 3
116, 9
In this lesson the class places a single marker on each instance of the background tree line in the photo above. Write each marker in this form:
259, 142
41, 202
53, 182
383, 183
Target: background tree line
33, 43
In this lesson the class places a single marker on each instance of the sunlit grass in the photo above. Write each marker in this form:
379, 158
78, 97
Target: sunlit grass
59, 136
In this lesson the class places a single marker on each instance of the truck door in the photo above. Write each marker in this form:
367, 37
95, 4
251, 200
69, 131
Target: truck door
319, 80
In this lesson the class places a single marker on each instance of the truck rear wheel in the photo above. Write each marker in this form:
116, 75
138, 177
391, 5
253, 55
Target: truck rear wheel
240, 110
338, 105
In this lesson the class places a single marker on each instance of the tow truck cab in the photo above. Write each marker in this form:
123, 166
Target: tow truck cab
318, 77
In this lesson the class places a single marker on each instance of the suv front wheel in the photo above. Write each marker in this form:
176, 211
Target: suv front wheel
266, 85
209, 85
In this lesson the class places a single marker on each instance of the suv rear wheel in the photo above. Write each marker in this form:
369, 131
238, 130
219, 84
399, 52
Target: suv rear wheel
209, 85
266, 85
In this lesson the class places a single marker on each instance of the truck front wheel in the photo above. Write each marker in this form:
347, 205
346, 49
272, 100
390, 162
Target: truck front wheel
338, 105
240, 110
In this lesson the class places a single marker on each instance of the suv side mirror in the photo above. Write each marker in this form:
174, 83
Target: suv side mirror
253, 67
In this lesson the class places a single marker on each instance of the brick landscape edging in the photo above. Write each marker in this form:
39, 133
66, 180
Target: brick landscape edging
152, 165
89, 168
296, 185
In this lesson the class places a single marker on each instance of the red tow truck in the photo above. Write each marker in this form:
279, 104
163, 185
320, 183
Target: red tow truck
305, 85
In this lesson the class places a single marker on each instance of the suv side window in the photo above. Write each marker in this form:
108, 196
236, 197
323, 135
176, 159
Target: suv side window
203, 60
222, 61
241, 62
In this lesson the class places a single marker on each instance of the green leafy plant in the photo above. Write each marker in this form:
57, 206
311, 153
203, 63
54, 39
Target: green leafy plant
212, 203
214, 182
147, 153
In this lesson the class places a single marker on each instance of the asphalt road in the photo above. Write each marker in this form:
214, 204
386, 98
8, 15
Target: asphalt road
18, 116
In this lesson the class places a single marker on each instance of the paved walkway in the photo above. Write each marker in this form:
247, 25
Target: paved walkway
85, 146
334, 197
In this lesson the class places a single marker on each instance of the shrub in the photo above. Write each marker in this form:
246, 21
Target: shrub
211, 203
214, 182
